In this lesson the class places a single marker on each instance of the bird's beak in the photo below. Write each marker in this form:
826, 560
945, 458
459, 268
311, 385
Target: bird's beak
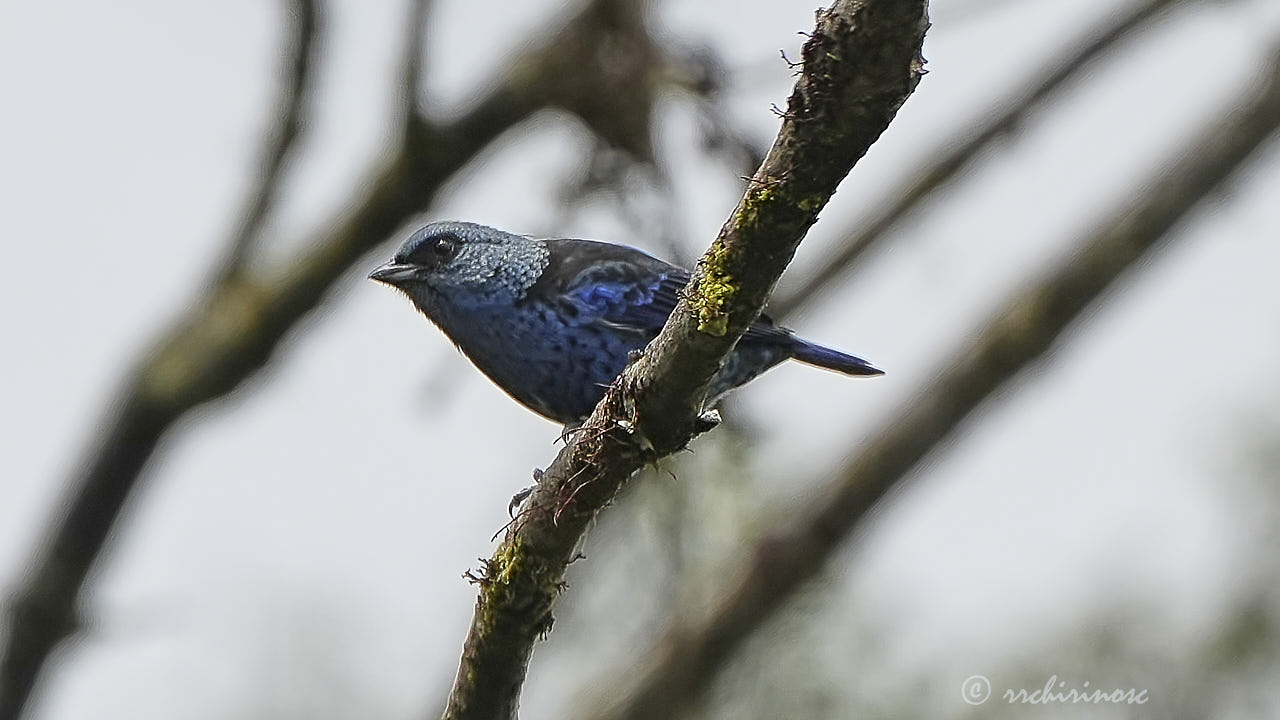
394, 273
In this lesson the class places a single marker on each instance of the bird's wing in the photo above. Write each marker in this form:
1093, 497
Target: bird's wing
592, 283
622, 287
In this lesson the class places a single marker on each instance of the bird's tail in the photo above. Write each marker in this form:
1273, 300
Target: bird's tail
825, 357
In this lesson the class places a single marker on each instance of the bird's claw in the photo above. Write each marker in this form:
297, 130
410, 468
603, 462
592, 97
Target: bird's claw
707, 420
519, 499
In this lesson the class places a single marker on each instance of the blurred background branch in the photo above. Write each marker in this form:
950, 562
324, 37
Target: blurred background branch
291, 109
415, 48
951, 159
1019, 333
234, 328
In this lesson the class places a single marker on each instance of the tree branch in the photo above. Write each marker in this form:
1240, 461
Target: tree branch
415, 48
1022, 331
952, 158
300, 51
860, 64
234, 328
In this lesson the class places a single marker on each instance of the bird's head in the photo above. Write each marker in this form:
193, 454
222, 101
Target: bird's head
461, 263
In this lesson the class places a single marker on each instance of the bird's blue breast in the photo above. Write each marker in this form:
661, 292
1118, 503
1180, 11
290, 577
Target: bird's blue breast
544, 355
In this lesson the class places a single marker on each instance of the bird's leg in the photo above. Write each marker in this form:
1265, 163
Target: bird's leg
569, 429
524, 494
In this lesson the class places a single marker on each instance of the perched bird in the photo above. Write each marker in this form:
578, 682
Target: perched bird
553, 321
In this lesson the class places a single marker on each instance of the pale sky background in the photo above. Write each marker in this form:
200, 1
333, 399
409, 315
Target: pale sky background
311, 532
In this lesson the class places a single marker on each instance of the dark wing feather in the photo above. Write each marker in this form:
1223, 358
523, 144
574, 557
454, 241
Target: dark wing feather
593, 282
625, 288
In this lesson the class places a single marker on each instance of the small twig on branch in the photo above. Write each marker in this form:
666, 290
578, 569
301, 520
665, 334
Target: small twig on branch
952, 159
1022, 331
860, 64
306, 25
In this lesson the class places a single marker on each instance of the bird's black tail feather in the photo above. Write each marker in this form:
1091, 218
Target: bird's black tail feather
825, 357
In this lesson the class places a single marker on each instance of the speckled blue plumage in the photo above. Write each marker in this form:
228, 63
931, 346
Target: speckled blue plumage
553, 321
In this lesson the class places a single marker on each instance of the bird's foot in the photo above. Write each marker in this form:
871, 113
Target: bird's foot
520, 497
707, 420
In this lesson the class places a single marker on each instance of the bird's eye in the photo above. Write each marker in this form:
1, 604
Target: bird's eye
445, 247
436, 251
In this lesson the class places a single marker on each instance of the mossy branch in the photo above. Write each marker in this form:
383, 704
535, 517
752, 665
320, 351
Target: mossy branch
860, 64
